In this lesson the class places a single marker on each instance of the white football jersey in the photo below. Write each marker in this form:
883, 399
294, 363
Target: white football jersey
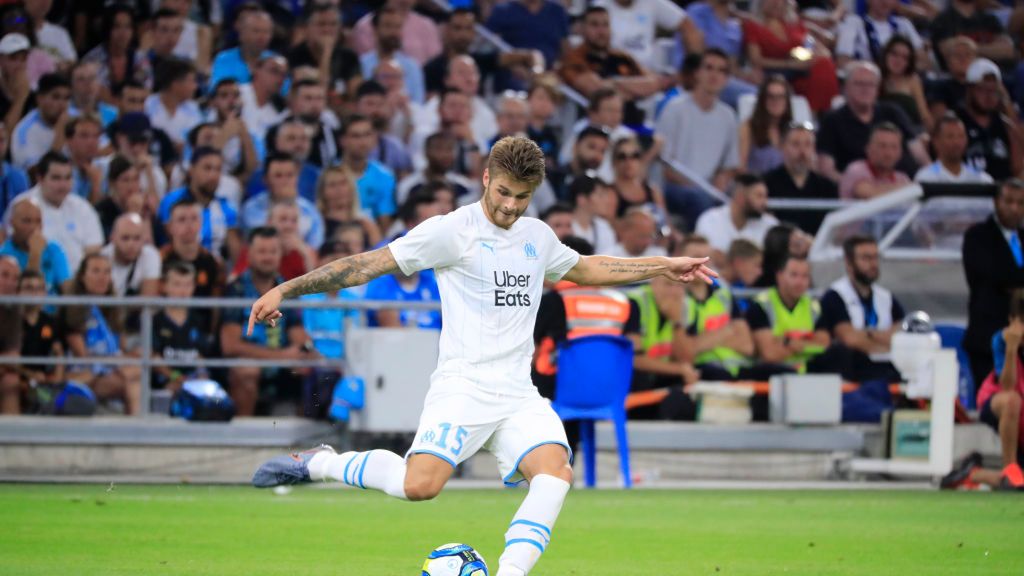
491, 281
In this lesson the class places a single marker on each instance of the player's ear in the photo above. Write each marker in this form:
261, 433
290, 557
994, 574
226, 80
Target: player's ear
486, 178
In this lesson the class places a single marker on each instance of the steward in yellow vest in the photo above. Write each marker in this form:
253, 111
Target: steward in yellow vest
786, 321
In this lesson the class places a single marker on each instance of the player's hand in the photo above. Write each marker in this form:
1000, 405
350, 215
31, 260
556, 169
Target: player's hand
265, 310
685, 269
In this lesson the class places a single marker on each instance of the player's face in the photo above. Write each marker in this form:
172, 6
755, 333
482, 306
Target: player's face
505, 199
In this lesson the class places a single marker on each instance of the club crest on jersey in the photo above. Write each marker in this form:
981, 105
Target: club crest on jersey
530, 250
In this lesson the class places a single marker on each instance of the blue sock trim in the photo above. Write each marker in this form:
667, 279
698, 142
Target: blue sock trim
363, 469
525, 541
533, 524
344, 475
547, 540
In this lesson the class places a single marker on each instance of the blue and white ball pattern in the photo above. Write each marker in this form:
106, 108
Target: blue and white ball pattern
455, 560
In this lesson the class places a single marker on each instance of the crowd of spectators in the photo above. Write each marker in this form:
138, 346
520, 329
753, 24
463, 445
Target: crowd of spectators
216, 147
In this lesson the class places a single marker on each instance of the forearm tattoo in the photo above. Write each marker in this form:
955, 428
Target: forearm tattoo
342, 273
631, 267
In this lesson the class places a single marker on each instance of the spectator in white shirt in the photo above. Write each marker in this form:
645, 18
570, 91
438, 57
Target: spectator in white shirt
587, 193
135, 265
635, 22
743, 217
172, 108
34, 135
50, 37
864, 37
949, 139
262, 107
68, 220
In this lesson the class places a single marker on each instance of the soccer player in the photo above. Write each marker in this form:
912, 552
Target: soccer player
490, 265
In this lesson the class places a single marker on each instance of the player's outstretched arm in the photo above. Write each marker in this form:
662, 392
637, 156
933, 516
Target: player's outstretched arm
608, 270
342, 273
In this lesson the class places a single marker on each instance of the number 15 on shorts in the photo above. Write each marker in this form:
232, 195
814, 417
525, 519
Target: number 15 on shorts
445, 437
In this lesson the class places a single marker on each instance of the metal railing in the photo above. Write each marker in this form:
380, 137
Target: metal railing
148, 306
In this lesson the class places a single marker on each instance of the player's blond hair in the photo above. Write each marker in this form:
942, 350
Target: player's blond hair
518, 158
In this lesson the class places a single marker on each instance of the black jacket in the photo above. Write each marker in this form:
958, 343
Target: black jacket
992, 274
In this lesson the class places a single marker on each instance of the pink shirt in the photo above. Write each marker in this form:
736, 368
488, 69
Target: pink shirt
420, 37
859, 171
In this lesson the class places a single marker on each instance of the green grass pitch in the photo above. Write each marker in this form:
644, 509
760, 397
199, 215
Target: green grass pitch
227, 531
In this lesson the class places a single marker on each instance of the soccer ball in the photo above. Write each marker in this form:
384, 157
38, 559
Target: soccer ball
454, 560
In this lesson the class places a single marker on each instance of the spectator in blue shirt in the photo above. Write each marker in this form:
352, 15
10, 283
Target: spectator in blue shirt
326, 326
532, 24
220, 221
13, 181
85, 93
419, 287
285, 340
255, 31
282, 176
31, 249
387, 30
375, 182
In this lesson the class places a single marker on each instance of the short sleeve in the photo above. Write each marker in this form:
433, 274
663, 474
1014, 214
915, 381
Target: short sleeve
560, 259
432, 244
234, 314
150, 269
756, 317
668, 15
898, 313
833, 310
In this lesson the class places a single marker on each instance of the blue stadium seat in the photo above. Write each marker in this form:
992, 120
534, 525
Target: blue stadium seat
952, 336
594, 373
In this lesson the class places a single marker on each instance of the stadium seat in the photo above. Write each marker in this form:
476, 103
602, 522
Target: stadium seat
594, 373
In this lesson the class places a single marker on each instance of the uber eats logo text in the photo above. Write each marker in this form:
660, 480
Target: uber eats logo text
506, 293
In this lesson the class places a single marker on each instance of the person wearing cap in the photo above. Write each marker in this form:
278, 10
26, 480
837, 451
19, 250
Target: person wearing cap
131, 101
135, 139
969, 18
15, 88
34, 135
993, 139
949, 139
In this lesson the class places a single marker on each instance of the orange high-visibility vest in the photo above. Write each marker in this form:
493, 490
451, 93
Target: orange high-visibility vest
588, 312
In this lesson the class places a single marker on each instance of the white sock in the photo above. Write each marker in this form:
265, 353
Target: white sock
377, 469
530, 531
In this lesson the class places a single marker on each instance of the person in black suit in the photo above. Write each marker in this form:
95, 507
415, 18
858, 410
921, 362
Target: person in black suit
993, 260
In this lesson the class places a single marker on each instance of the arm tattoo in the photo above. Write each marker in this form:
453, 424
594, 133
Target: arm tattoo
632, 268
342, 273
